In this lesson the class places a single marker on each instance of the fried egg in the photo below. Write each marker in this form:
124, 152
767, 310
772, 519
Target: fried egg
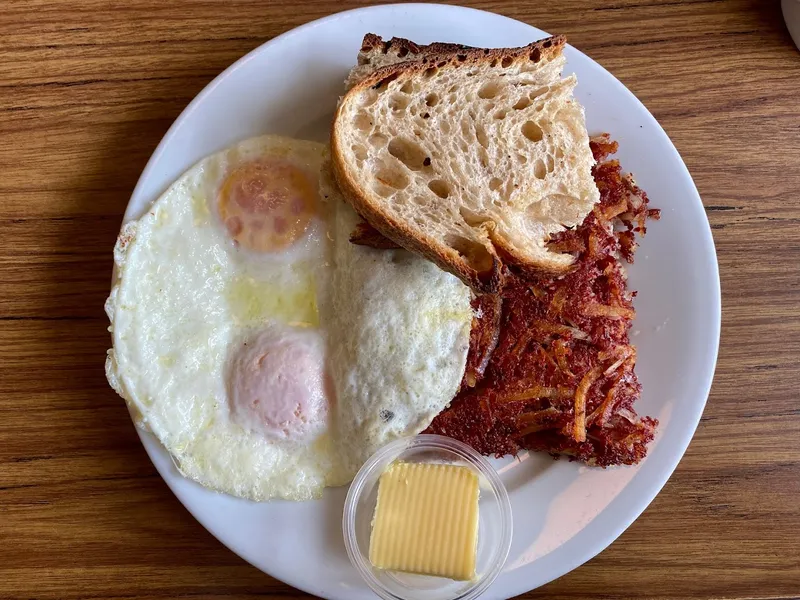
269, 355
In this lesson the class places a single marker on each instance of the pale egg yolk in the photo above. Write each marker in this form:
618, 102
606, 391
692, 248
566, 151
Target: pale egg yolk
277, 384
267, 205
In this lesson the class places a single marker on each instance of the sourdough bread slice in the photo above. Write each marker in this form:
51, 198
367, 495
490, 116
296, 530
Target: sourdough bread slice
471, 157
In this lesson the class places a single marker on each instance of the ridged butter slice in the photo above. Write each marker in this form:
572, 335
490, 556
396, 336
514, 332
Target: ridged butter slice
426, 520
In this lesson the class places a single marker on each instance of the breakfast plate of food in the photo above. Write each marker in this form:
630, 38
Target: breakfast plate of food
386, 278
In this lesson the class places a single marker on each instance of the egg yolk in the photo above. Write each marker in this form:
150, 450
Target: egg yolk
277, 385
267, 205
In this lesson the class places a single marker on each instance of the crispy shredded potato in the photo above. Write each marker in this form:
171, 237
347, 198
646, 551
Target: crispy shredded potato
560, 374
581, 395
537, 391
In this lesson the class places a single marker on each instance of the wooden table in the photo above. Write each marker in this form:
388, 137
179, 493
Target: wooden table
86, 92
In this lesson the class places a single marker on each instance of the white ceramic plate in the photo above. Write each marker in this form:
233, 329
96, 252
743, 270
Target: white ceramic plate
563, 513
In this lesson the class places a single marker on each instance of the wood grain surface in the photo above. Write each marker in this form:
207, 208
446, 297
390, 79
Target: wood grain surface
88, 88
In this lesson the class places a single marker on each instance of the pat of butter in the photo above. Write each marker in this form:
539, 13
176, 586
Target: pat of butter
426, 520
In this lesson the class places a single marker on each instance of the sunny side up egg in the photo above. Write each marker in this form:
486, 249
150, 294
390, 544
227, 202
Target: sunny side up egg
269, 355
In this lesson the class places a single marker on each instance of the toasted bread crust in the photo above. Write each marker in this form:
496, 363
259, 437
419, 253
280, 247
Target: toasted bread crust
440, 55
432, 56
403, 47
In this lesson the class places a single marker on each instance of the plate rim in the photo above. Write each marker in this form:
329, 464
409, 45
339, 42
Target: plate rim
710, 258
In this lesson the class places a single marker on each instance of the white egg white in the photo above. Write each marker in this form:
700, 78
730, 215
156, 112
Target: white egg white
395, 330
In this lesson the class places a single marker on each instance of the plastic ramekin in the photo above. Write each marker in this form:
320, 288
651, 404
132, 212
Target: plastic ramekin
494, 521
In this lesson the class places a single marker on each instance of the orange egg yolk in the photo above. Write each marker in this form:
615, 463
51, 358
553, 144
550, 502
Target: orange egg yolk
267, 205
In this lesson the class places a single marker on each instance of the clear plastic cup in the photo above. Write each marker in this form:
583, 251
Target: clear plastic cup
494, 521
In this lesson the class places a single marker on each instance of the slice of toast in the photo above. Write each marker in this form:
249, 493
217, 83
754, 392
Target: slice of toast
471, 157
